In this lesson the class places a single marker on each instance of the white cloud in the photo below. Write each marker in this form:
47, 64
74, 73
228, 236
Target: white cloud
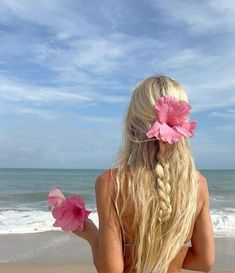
185, 56
47, 147
99, 119
212, 95
212, 16
212, 150
36, 113
15, 91
57, 16
65, 53
94, 60
229, 128
116, 61
228, 114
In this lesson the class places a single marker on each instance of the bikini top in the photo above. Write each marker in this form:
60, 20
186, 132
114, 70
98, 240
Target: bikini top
186, 243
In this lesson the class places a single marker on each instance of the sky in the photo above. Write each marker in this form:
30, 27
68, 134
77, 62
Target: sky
68, 69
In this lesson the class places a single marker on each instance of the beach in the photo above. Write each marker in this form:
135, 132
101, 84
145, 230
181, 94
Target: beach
67, 268
30, 243
65, 252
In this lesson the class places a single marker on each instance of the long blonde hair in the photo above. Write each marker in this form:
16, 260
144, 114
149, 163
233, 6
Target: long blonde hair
162, 186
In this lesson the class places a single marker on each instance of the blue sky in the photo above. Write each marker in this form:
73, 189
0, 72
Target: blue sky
68, 68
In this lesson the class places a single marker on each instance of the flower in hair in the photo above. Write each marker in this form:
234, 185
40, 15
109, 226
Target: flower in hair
70, 212
171, 123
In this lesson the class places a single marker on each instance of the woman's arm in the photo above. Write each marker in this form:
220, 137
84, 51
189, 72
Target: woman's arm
201, 256
90, 234
109, 256
105, 242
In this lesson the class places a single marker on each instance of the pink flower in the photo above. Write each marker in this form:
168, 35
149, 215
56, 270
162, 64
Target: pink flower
70, 212
55, 197
171, 123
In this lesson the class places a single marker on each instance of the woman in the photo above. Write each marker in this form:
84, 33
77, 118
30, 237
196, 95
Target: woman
154, 203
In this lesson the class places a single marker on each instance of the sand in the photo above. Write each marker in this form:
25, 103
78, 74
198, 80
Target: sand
60, 252
63, 268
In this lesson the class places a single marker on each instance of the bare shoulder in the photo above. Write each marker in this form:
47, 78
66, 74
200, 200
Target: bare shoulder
101, 181
104, 182
203, 188
202, 180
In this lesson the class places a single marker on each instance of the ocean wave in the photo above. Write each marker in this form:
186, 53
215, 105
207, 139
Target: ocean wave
223, 221
28, 196
32, 221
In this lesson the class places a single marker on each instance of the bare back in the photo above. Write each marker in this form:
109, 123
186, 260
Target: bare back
176, 264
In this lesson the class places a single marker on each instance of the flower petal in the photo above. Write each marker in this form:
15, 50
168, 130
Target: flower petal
186, 128
70, 213
168, 134
183, 110
154, 130
58, 211
68, 222
76, 200
55, 197
162, 106
172, 111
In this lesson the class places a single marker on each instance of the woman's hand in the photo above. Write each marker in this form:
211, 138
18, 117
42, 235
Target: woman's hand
90, 231
69, 213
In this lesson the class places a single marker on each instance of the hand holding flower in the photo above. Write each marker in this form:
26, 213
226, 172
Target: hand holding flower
70, 212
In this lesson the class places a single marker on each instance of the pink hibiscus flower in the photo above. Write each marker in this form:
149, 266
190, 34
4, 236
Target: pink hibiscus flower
171, 123
70, 212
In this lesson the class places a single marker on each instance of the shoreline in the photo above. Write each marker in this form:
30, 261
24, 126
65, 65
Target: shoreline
69, 268
65, 252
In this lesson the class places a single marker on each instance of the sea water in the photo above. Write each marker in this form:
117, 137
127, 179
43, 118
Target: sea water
24, 192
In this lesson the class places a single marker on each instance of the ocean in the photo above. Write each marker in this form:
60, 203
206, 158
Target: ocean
24, 192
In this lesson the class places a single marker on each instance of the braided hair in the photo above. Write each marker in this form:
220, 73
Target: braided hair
163, 183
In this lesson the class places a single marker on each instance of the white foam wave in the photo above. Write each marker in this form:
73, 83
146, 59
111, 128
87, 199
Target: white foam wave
32, 221
223, 222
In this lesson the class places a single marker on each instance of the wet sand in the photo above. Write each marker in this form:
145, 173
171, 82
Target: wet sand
60, 252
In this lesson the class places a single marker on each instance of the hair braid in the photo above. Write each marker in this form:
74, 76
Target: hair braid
163, 183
